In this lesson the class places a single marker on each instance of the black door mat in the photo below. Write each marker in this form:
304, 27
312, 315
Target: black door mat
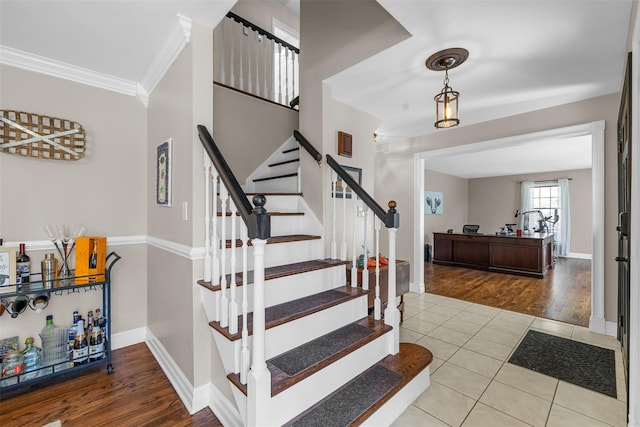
350, 401
309, 354
578, 363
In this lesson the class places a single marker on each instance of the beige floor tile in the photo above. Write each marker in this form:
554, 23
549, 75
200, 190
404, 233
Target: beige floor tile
449, 335
553, 327
528, 381
407, 335
479, 319
447, 310
483, 310
462, 326
419, 325
586, 336
500, 337
592, 404
445, 404
563, 417
621, 385
436, 363
419, 303
484, 416
432, 298
476, 362
461, 380
433, 317
511, 316
440, 349
410, 311
488, 348
507, 326
411, 295
523, 406
416, 417
455, 303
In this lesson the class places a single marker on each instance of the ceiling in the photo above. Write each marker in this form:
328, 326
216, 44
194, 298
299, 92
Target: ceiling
524, 55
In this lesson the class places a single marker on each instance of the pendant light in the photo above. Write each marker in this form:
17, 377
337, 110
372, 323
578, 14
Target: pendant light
447, 99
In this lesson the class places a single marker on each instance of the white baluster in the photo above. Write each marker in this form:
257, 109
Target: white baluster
233, 302
279, 73
260, 41
245, 358
265, 53
222, 51
391, 313
365, 269
343, 246
224, 300
274, 96
293, 77
249, 79
354, 245
286, 76
334, 180
207, 217
232, 62
215, 259
241, 54
377, 304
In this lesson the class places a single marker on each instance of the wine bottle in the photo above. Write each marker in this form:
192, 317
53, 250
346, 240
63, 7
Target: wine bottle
80, 346
93, 256
23, 266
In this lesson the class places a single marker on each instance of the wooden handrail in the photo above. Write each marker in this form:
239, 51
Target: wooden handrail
307, 146
257, 221
262, 32
390, 219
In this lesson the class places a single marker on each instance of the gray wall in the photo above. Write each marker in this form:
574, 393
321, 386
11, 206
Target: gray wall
455, 204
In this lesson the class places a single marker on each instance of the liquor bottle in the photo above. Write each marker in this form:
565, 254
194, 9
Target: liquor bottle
89, 323
32, 359
93, 256
80, 346
23, 266
96, 347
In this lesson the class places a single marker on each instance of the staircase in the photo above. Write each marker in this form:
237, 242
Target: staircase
317, 356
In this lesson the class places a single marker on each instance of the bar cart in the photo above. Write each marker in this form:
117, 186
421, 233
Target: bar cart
57, 366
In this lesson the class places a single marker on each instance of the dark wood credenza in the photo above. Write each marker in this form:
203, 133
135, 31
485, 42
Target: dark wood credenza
528, 255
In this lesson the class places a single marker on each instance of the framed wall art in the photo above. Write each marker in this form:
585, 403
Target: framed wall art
356, 174
433, 203
7, 269
163, 173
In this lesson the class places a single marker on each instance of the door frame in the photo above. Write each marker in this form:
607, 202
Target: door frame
596, 130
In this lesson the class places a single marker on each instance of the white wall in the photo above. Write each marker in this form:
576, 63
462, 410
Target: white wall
455, 211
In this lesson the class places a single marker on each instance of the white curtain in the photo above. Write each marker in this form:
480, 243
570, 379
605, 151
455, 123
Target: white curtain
564, 229
525, 201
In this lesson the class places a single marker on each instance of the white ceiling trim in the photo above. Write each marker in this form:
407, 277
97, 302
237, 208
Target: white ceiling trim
39, 64
178, 38
174, 44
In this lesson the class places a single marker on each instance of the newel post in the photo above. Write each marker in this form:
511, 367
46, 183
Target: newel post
391, 313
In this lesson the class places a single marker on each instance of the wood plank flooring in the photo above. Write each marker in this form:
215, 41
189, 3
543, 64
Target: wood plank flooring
564, 294
136, 394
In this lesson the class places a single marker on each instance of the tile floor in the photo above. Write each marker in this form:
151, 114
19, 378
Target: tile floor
473, 386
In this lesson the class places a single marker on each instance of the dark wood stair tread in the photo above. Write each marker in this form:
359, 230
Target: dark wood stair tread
289, 311
268, 213
284, 162
277, 271
291, 150
286, 175
281, 380
278, 239
408, 363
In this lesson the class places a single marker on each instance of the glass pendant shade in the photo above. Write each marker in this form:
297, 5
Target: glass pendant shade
447, 107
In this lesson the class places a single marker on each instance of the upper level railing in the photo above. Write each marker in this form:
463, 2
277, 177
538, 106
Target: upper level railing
253, 60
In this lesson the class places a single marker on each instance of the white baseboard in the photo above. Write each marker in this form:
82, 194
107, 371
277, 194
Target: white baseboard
611, 329
127, 338
225, 411
577, 255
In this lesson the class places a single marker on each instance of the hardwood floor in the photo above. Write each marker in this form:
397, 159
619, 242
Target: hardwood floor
136, 394
564, 294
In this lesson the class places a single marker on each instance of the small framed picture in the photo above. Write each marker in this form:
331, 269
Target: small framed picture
433, 203
356, 174
163, 174
7, 267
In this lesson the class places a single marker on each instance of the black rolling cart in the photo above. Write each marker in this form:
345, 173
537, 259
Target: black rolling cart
20, 382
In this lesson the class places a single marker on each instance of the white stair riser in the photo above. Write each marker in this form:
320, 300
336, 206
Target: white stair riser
295, 400
282, 289
292, 334
281, 225
280, 185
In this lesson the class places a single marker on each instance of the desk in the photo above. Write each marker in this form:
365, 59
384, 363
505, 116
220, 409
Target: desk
402, 283
528, 255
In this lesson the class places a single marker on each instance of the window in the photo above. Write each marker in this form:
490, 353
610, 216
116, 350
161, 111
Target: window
546, 199
551, 198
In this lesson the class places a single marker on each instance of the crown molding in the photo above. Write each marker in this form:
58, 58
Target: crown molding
178, 38
40, 64
174, 44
